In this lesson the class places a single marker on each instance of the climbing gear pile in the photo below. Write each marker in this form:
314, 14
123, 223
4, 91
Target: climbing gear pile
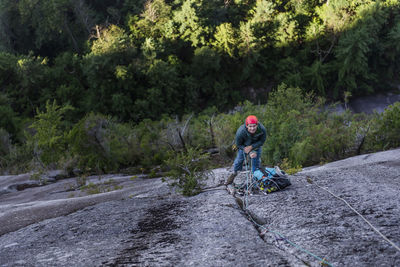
246, 189
265, 180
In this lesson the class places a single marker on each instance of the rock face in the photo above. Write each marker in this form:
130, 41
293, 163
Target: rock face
378, 102
147, 224
311, 217
370, 104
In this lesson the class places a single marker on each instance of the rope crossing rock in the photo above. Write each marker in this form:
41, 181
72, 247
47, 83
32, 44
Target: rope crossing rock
309, 180
260, 222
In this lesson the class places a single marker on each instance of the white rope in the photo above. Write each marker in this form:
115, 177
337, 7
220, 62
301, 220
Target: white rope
246, 201
248, 176
373, 227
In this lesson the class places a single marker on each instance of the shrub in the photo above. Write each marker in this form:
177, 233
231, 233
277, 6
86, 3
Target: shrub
153, 139
287, 116
202, 129
384, 130
331, 139
187, 170
18, 159
91, 142
49, 140
289, 167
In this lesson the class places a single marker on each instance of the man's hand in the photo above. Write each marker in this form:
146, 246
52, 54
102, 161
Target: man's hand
253, 154
247, 149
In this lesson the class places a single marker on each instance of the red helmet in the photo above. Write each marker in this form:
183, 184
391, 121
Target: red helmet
251, 120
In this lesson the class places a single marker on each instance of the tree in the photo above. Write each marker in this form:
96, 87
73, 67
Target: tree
49, 138
155, 20
110, 40
189, 24
226, 39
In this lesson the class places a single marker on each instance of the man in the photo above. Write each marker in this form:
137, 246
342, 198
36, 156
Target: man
249, 139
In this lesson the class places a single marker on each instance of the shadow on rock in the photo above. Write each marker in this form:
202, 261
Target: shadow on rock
156, 230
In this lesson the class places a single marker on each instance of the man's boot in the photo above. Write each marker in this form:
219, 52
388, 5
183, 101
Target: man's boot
231, 178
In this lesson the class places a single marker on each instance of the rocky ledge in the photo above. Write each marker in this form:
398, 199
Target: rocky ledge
330, 215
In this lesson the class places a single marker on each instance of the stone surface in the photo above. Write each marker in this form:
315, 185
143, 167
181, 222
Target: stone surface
377, 102
369, 104
151, 227
317, 221
147, 224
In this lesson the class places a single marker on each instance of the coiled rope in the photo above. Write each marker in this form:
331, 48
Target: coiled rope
246, 203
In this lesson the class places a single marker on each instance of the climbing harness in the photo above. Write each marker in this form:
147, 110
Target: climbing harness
247, 191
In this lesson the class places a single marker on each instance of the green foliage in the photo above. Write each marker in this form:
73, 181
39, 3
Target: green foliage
189, 24
99, 144
163, 94
329, 140
110, 40
316, 73
226, 39
18, 160
285, 121
149, 136
300, 131
338, 13
25, 90
384, 130
139, 59
352, 58
5, 143
9, 120
53, 27
187, 170
202, 129
7, 68
49, 137
94, 142
159, 64
111, 88
155, 21
287, 30
289, 167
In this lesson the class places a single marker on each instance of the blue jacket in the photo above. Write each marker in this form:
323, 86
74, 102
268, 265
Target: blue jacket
244, 138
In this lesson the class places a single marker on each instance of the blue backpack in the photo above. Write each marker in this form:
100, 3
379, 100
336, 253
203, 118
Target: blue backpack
270, 180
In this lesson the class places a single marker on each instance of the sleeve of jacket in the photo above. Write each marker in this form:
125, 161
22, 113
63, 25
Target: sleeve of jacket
262, 139
240, 137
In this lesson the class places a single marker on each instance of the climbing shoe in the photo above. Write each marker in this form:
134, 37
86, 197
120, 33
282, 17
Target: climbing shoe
231, 178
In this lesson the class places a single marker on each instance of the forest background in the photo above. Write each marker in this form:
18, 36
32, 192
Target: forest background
148, 85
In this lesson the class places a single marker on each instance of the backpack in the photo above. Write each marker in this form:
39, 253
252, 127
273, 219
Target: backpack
270, 180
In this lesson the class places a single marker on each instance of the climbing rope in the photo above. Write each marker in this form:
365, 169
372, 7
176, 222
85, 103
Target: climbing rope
362, 217
276, 233
247, 182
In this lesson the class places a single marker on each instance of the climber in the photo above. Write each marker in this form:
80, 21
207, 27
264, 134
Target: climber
250, 137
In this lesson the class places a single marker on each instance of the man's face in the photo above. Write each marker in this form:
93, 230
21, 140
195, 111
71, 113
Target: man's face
252, 128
